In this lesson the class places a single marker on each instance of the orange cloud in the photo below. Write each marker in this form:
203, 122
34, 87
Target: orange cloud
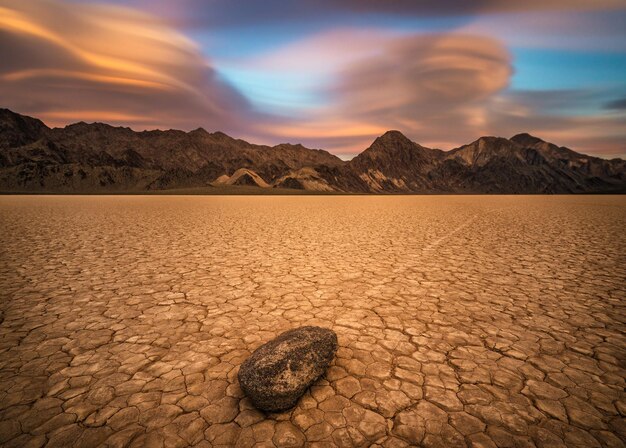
74, 57
432, 87
67, 61
423, 75
67, 74
441, 90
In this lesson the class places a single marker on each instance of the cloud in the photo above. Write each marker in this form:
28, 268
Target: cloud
548, 114
619, 104
572, 30
441, 90
433, 87
68, 62
457, 7
337, 89
424, 75
226, 13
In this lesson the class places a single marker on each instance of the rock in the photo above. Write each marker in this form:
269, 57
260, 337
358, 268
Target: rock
280, 371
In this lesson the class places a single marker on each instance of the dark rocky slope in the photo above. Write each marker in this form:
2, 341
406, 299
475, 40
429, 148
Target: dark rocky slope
92, 158
523, 164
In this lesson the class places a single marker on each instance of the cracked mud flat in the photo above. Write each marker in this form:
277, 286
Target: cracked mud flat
462, 321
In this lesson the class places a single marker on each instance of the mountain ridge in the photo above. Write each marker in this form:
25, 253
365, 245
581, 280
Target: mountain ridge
97, 157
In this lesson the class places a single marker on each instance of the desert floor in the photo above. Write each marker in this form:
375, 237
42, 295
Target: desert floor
462, 320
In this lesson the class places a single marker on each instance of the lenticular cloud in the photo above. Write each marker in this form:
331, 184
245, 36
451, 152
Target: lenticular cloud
68, 62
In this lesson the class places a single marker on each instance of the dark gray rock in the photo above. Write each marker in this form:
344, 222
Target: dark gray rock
280, 371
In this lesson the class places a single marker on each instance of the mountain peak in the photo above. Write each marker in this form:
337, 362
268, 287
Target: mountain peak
526, 139
219, 135
489, 140
393, 135
199, 131
397, 158
17, 129
82, 126
391, 141
8, 116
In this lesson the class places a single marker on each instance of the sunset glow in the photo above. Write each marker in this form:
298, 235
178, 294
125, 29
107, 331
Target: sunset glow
330, 75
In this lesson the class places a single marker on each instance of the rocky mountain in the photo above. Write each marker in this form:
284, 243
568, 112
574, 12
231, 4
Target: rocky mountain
98, 158
521, 165
395, 163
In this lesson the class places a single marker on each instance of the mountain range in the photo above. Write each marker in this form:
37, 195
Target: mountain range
99, 158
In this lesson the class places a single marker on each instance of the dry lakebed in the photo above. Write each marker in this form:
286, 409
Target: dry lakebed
485, 321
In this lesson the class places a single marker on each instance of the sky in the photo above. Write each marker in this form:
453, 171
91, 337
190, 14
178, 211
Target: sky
330, 74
